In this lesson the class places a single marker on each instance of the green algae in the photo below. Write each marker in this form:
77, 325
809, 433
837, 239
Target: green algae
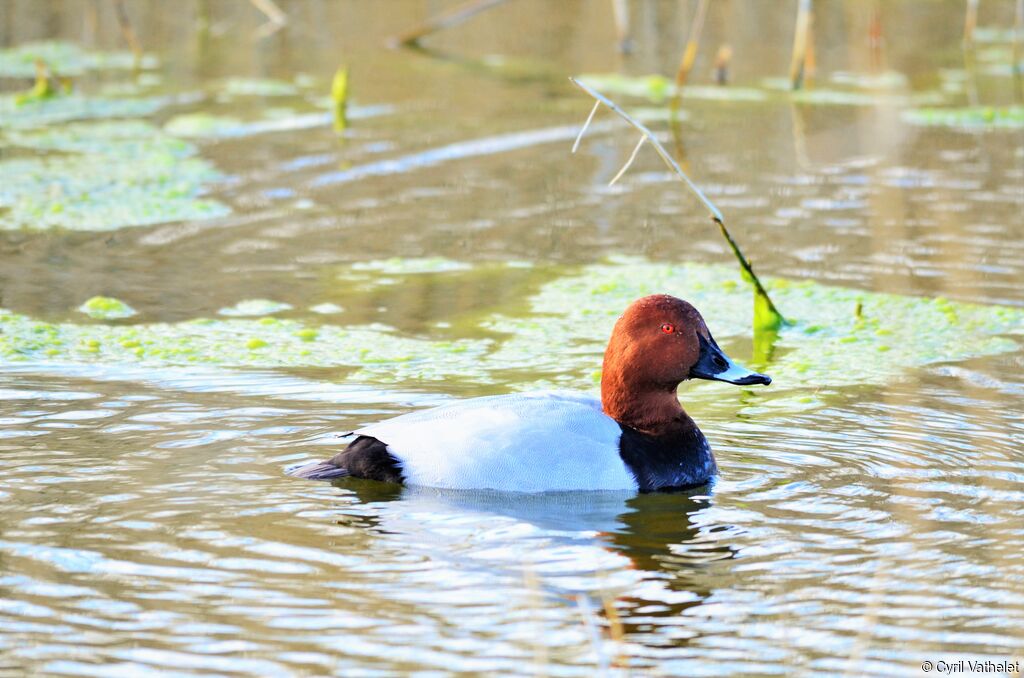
881, 80
46, 87
413, 266
987, 34
374, 351
97, 176
851, 89
558, 337
66, 59
969, 117
326, 308
204, 125
860, 90
38, 113
339, 99
255, 307
655, 87
64, 172
106, 308
299, 115
257, 87
825, 346
658, 88
303, 111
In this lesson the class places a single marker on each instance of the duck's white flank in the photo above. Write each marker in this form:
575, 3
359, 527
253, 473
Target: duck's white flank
525, 442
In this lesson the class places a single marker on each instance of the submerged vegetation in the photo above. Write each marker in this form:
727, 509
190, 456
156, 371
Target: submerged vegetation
66, 59
828, 344
970, 117
66, 172
845, 92
74, 174
96, 176
18, 113
79, 174
339, 99
106, 308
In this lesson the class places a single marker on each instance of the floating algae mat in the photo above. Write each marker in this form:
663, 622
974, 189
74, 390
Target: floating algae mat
658, 88
970, 117
258, 87
106, 308
97, 176
68, 107
374, 350
827, 344
560, 338
851, 91
255, 307
407, 266
65, 58
206, 125
202, 125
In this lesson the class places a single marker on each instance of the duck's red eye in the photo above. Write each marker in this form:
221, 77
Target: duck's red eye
668, 328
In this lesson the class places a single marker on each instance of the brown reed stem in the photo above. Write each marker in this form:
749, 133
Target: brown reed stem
452, 17
685, 66
277, 18
970, 21
801, 40
125, 23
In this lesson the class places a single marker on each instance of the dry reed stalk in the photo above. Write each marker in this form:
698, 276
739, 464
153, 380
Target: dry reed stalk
801, 40
620, 11
616, 631
128, 32
774, 318
277, 18
692, 44
587, 616
1018, 38
722, 59
970, 21
452, 17
685, 66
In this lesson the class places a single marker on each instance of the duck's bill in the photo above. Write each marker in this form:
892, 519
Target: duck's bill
739, 375
714, 365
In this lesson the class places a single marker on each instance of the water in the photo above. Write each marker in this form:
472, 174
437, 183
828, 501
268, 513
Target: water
147, 523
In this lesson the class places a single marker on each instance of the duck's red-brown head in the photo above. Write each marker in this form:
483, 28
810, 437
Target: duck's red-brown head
659, 342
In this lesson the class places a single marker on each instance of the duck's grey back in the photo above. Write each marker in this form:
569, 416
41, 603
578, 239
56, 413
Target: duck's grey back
527, 442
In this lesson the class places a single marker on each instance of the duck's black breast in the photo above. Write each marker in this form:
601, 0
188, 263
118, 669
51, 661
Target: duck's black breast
673, 460
365, 457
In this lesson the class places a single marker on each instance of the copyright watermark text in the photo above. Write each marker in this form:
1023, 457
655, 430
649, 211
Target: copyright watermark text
945, 667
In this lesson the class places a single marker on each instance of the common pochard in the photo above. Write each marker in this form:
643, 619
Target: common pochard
636, 437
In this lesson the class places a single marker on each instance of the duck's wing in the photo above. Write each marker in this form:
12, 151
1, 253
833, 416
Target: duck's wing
527, 442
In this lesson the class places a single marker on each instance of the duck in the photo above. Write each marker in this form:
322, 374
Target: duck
635, 437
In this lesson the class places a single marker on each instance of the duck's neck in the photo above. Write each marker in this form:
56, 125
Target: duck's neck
660, 443
648, 408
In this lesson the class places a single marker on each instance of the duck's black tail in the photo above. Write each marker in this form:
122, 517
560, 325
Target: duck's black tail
365, 457
319, 470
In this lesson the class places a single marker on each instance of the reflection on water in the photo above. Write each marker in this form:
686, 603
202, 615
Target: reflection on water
147, 525
151, 525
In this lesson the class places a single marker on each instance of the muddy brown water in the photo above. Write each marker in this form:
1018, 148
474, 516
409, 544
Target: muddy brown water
147, 526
